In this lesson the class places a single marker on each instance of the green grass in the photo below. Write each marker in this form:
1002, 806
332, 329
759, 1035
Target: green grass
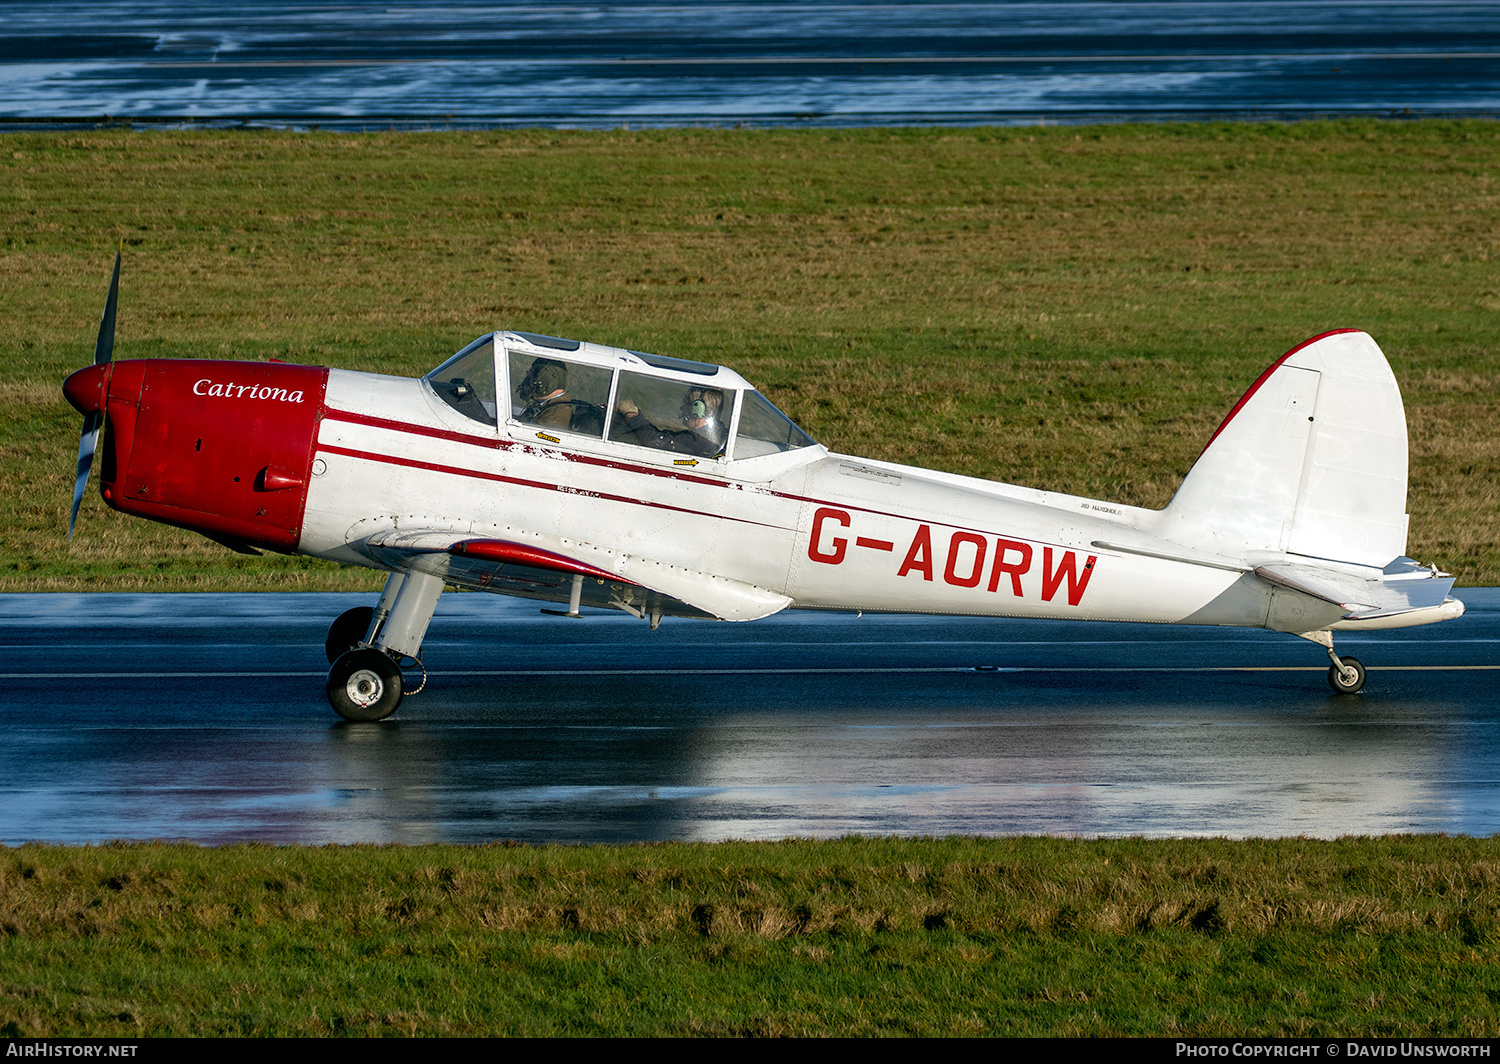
1356, 937
1071, 308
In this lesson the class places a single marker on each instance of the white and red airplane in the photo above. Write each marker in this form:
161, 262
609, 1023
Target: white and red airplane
594, 476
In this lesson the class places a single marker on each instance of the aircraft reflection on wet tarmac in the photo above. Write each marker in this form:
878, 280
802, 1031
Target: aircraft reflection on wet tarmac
202, 717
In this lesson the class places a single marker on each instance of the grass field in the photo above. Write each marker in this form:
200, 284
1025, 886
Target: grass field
1358, 937
1070, 308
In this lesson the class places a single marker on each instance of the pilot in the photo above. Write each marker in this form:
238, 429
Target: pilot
699, 409
544, 390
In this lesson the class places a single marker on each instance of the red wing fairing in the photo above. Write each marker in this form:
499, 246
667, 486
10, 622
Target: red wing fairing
510, 568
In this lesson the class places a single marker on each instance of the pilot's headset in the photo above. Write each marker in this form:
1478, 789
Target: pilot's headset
545, 376
699, 402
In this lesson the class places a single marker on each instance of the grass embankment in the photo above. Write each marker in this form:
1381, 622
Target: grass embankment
961, 936
1068, 308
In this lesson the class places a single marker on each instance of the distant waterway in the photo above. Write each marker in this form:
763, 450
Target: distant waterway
754, 62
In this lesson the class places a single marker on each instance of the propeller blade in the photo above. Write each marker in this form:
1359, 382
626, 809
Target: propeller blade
104, 347
86, 445
93, 420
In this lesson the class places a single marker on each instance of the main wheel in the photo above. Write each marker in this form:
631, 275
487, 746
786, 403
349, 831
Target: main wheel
1343, 684
364, 684
346, 632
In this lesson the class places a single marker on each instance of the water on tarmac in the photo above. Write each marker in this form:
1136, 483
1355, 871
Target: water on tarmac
203, 717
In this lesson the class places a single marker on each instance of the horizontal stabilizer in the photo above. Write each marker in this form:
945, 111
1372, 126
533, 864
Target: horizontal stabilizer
1404, 586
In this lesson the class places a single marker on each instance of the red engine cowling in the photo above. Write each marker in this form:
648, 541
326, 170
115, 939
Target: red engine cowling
222, 448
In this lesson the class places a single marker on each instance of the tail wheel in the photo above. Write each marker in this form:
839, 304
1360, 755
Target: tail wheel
348, 631
364, 684
1349, 679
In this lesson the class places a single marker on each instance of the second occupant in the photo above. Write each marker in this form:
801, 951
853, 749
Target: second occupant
699, 410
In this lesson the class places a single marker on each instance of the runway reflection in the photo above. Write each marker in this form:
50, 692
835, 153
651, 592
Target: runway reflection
542, 729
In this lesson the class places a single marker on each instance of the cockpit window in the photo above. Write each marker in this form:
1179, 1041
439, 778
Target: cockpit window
466, 382
557, 394
670, 415
766, 430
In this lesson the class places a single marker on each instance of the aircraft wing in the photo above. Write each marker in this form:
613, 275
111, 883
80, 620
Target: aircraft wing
612, 580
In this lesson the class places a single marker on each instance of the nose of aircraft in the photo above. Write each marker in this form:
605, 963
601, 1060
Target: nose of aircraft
85, 389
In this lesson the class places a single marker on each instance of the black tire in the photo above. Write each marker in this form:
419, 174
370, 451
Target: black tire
1343, 686
364, 685
347, 632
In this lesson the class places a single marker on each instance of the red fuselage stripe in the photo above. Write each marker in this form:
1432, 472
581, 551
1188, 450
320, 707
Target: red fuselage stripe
495, 443
499, 443
538, 484
330, 414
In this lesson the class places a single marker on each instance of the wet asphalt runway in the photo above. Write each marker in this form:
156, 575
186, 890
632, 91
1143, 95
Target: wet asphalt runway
203, 717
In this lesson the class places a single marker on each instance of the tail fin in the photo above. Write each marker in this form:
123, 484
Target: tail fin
1311, 461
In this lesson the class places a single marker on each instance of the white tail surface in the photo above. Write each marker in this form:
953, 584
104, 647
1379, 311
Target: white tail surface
1311, 461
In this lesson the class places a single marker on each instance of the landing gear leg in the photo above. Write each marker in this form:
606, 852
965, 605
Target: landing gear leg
1346, 675
365, 681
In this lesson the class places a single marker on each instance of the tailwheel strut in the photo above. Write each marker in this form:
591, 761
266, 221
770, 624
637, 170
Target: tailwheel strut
1346, 675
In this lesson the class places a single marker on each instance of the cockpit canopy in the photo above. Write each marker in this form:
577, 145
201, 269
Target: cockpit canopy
588, 391
466, 382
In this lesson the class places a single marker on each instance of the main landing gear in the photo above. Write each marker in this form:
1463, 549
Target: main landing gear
365, 646
348, 631
365, 684
1346, 675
